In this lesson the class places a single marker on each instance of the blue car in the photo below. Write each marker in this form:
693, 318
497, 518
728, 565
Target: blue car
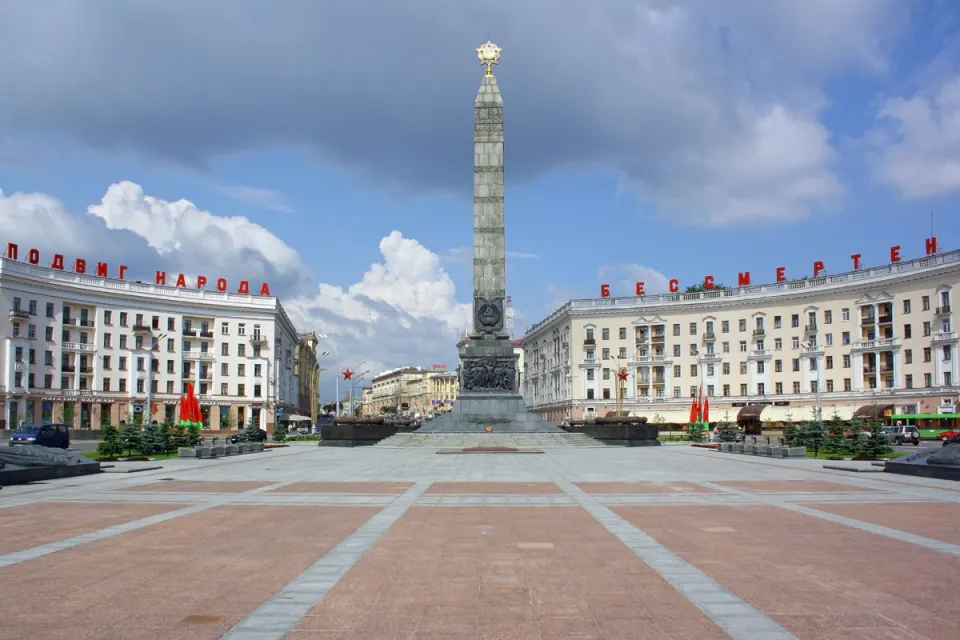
55, 436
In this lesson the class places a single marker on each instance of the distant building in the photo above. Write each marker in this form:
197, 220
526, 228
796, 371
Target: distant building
410, 390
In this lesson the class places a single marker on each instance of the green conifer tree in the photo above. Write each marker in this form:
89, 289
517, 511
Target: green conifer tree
279, 432
110, 445
836, 435
130, 438
193, 434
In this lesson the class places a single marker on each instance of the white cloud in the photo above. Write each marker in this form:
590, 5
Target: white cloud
916, 144
624, 277
268, 199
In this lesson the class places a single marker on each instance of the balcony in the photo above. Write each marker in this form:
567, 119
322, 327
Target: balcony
142, 328
648, 359
945, 336
810, 328
86, 371
944, 310
208, 335
886, 319
205, 376
190, 333
659, 381
868, 320
84, 347
88, 324
869, 371
759, 353
68, 368
658, 338
18, 314
866, 345
259, 338
587, 342
709, 335
708, 356
589, 361
759, 333
206, 356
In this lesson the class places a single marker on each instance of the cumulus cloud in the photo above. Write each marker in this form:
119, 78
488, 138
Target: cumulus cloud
624, 277
916, 145
685, 99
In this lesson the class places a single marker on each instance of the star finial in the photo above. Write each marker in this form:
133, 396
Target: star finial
489, 54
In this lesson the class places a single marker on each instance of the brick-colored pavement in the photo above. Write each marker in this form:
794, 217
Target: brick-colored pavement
373, 544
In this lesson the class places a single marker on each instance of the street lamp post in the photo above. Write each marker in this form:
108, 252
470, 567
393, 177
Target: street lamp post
808, 347
357, 378
336, 353
153, 345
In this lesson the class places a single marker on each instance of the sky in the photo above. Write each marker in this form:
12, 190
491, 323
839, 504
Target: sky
326, 147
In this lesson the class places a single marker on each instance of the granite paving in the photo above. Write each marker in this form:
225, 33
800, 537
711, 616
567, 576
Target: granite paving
374, 543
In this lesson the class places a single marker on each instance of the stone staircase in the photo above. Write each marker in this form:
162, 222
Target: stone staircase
465, 440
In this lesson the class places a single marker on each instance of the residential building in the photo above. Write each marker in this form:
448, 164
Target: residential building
308, 376
878, 339
88, 350
410, 390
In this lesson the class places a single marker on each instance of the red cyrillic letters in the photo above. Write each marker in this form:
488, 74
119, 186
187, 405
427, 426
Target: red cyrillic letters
201, 280
264, 289
674, 285
743, 279
856, 260
781, 274
57, 262
181, 281
708, 282
79, 265
640, 290
931, 245
33, 256
221, 284
604, 291
12, 250
818, 268
895, 254
161, 277
244, 287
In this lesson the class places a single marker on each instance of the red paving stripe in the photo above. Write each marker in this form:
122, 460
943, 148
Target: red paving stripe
936, 520
33, 525
524, 573
197, 486
359, 488
493, 488
818, 579
793, 486
194, 577
641, 488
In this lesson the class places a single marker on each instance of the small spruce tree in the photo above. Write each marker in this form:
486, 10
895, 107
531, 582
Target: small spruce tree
250, 433
836, 435
792, 435
150, 440
878, 442
130, 437
279, 432
110, 445
193, 434
857, 440
178, 436
814, 435
166, 438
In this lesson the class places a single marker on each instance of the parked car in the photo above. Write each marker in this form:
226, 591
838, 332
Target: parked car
948, 435
903, 434
55, 436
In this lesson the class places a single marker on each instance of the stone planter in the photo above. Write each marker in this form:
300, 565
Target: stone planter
244, 447
795, 452
776, 452
188, 452
257, 446
766, 450
218, 450
232, 450
204, 452
739, 447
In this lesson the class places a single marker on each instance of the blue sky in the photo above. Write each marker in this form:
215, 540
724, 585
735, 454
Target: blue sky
644, 139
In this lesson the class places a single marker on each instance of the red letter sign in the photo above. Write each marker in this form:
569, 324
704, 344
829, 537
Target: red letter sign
856, 260
895, 254
743, 279
102, 269
781, 274
161, 277
708, 282
931, 245
122, 271
244, 287
57, 262
817, 268
221, 284
604, 291
181, 281
33, 256
80, 265
674, 285
265, 289
640, 291
201, 280
12, 250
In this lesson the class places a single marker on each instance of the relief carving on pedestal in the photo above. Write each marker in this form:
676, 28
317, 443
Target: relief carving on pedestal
488, 314
488, 374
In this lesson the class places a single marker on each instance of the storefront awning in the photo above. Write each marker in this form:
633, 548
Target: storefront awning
750, 413
872, 411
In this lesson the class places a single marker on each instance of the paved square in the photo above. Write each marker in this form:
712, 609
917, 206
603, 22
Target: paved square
374, 543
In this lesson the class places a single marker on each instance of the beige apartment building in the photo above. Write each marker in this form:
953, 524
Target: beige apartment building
873, 341
410, 390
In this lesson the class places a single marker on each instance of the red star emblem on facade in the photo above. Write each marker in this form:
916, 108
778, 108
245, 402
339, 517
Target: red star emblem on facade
347, 374
622, 374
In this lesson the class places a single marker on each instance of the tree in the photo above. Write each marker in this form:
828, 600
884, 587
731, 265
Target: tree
250, 433
835, 440
178, 437
857, 444
110, 445
279, 432
130, 437
877, 442
193, 435
166, 438
793, 435
150, 441
697, 288
814, 434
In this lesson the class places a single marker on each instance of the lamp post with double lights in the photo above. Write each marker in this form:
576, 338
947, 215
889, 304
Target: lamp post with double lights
155, 342
355, 378
812, 347
336, 404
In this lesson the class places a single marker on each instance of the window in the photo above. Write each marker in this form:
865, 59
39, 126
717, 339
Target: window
908, 379
169, 386
589, 397
223, 388
711, 370
676, 351
828, 362
796, 364
725, 368
106, 384
605, 353
795, 320
50, 312
742, 325
47, 381
171, 366
258, 391
743, 346
107, 340
847, 384
828, 317
761, 389
32, 331
171, 345
123, 341
122, 363
242, 350
796, 342
623, 352
48, 334
155, 322
693, 328
743, 368
846, 361
141, 364
743, 389
778, 344
813, 364
242, 331
796, 387
242, 371
926, 328
606, 372
908, 356
224, 369
140, 386
138, 342
925, 305
693, 391
778, 388
907, 331
761, 366
16, 329
845, 337
710, 391
829, 339
693, 371
122, 384
106, 362
676, 371
725, 326
48, 358
225, 349
726, 390
623, 333
605, 334
606, 393
927, 354
906, 307
845, 315
224, 328
947, 352
928, 380
778, 366
123, 318
725, 347
777, 322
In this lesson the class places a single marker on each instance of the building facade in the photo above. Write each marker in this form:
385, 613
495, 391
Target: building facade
411, 390
90, 350
880, 338
308, 376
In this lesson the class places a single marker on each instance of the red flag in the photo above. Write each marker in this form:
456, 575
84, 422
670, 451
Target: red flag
694, 410
706, 409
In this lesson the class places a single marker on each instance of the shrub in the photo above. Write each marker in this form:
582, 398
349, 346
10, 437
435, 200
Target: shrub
279, 432
150, 440
110, 445
835, 440
310, 438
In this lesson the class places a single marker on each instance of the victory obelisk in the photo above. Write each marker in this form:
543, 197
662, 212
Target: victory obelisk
489, 398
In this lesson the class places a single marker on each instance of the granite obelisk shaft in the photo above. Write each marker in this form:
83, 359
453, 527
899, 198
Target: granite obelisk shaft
489, 256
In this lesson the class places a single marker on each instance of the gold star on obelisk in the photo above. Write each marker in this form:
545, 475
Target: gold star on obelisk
489, 55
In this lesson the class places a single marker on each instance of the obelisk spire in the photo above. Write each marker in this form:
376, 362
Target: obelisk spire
489, 266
